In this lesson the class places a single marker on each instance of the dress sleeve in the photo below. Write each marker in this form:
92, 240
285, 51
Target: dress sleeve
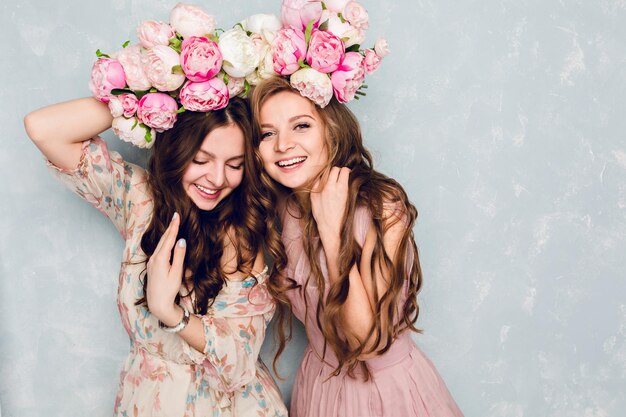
234, 329
104, 180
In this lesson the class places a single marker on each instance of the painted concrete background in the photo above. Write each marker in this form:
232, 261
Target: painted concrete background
505, 121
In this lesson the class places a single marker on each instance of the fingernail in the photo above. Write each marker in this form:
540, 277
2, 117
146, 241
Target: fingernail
182, 243
175, 215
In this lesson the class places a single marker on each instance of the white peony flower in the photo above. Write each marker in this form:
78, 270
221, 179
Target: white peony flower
240, 54
190, 20
123, 128
313, 85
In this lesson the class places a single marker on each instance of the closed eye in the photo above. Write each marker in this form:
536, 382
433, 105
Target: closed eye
235, 167
195, 161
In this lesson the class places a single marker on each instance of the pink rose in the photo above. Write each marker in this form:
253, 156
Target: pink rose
123, 105
381, 47
349, 77
204, 96
200, 58
151, 33
313, 85
288, 48
298, 13
106, 74
130, 58
335, 6
157, 110
158, 62
190, 20
356, 14
325, 51
371, 62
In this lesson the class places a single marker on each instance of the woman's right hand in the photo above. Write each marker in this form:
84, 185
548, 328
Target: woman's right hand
165, 276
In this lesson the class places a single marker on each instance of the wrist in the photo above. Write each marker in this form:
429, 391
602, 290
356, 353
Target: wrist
170, 315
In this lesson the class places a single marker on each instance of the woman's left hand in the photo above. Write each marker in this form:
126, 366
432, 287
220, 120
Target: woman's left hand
165, 278
329, 200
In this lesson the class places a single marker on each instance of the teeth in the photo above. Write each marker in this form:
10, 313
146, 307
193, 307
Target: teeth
291, 161
206, 190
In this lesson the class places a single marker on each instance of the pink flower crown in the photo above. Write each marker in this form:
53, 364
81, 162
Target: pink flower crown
185, 65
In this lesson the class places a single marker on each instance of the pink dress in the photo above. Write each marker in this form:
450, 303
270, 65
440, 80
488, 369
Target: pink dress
404, 381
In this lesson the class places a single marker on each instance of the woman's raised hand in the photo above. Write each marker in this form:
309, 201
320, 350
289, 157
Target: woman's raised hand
165, 274
329, 198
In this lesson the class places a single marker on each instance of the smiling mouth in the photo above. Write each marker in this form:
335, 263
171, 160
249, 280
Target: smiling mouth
292, 162
207, 192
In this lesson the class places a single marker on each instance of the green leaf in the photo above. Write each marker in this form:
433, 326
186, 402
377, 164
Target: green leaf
175, 43
119, 91
361, 93
307, 32
302, 63
153, 90
226, 78
246, 88
324, 26
141, 93
341, 18
100, 54
324, 6
125, 44
148, 135
135, 125
180, 110
353, 48
177, 69
214, 38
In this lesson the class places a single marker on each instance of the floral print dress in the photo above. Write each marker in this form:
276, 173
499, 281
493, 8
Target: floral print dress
163, 375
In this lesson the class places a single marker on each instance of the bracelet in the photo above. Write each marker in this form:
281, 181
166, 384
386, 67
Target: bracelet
180, 326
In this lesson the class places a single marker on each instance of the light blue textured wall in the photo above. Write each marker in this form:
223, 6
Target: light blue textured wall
505, 121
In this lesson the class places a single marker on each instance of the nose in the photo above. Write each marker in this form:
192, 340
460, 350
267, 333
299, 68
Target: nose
283, 143
216, 174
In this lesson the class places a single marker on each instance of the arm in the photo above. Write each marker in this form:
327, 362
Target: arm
227, 340
358, 312
58, 130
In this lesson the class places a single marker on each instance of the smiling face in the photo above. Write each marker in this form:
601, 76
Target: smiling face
293, 146
217, 168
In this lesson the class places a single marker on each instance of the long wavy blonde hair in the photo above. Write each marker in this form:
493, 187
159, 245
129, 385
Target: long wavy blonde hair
374, 191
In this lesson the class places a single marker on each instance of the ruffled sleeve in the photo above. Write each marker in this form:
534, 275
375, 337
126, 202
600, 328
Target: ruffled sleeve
107, 182
234, 330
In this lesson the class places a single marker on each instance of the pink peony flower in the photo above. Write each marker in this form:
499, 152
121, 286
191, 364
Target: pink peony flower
123, 105
313, 85
200, 58
325, 51
356, 14
157, 63
288, 48
349, 77
381, 47
157, 110
130, 130
130, 58
235, 86
151, 33
298, 13
335, 6
106, 74
371, 62
190, 20
204, 96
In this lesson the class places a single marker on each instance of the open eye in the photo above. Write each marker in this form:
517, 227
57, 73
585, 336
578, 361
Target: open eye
266, 135
302, 125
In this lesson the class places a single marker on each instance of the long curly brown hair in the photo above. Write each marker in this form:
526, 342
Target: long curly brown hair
377, 193
240, 216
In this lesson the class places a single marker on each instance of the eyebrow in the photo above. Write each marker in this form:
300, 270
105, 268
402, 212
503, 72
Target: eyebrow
211, 155
291, 119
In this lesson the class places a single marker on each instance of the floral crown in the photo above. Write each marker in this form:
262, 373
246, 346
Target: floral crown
187, 64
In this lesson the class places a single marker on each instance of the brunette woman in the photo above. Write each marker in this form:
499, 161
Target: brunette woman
196, 322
